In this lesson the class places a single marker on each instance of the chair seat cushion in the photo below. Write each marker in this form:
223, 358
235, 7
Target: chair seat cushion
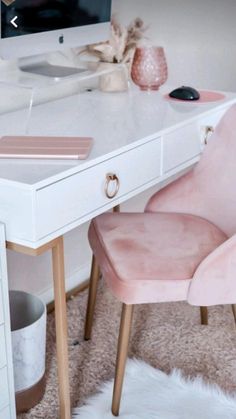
151, 257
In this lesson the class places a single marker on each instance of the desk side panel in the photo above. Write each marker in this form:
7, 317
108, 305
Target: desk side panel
7, 409
17, 213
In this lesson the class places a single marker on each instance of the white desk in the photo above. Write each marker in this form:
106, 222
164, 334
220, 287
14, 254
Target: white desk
139, 137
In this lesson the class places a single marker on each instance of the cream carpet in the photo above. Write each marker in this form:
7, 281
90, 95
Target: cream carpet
166, 336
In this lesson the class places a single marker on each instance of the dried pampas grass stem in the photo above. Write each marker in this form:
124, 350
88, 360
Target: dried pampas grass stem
122, 43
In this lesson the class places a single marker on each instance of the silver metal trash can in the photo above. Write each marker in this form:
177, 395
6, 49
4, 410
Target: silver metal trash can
28, 329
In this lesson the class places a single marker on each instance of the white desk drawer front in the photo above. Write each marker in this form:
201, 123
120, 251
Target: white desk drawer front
72, 198
213, 118
207, 125
5, 413
1, 305
3, 359
180, 146
4, 395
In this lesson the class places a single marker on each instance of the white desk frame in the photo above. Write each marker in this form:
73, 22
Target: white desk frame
139, 137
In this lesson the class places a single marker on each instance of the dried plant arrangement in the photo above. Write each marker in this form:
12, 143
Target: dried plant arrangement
122, 43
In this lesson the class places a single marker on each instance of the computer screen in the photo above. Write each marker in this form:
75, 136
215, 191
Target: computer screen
32, 27
24, 17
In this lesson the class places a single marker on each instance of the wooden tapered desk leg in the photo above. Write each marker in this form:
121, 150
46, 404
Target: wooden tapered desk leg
61, 328
56, 246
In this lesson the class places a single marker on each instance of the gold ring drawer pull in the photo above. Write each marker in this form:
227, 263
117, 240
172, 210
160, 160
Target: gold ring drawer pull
208, 132
110, 178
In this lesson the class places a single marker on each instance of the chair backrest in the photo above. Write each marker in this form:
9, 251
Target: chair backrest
209, 190
215, 176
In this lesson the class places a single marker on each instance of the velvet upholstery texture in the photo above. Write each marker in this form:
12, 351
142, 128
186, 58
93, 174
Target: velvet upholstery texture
184, 246
151, 257
209, 189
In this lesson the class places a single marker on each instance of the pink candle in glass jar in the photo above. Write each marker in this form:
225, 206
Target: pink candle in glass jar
149, 69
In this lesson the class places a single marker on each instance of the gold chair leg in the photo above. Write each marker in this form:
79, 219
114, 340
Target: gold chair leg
204, 315
95, 272
123, 344
234, 311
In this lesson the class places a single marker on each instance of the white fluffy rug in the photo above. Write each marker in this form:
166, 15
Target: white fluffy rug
150, 394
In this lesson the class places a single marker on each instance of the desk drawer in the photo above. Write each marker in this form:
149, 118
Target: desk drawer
180, 146
1, 305
3, 360
4, 399
213, 118
75, 197
210, 121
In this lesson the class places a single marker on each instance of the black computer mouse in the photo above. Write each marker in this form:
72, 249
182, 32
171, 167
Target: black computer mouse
185, 93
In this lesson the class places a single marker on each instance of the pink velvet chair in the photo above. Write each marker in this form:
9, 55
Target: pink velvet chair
182, 248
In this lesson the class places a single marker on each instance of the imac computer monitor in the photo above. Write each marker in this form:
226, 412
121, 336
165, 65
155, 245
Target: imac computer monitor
30, 28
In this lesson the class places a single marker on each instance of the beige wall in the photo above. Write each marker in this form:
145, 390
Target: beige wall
199, 40
198, 36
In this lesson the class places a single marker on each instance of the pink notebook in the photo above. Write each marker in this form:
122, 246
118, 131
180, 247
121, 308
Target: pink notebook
45, 147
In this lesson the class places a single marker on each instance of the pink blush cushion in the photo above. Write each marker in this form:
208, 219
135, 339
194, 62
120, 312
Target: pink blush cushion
151, 257
214, 279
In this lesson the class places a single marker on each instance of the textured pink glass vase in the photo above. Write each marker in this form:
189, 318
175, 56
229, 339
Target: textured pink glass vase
149, 69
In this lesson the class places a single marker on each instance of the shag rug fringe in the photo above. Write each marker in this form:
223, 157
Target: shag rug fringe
149, 393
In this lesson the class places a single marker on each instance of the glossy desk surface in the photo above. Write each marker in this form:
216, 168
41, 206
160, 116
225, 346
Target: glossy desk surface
117, 122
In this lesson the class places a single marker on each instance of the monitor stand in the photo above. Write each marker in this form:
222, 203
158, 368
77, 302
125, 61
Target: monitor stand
40, 65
